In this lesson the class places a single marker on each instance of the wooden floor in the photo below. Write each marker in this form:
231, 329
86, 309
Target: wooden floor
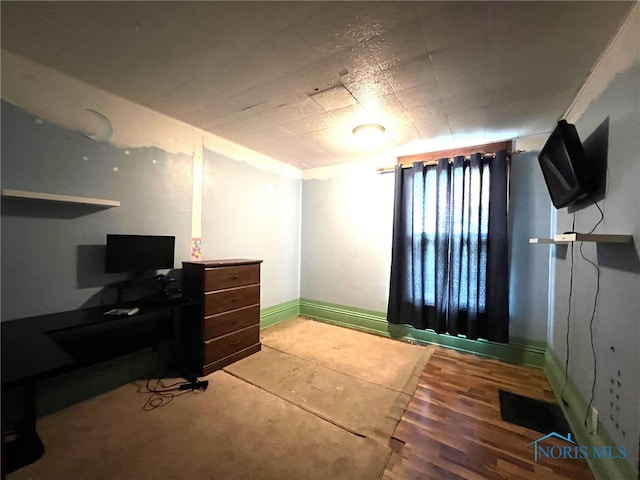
452, 427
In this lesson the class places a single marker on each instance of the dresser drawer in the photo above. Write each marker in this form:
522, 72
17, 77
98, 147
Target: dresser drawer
230, 299
228, 344
223, 323
228, 277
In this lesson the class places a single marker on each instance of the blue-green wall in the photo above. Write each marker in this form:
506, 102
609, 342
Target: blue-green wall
346, 243
53, 254
250, 213
616, 325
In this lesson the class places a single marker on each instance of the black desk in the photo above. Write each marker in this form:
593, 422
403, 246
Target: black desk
45, 346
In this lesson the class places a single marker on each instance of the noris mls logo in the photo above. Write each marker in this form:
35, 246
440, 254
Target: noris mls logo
573, 450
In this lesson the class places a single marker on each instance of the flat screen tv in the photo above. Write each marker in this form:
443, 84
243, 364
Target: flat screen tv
139, 253
564, 166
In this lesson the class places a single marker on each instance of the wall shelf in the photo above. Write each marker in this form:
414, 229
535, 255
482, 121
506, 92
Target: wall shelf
593, 237
584, 237
53, 197
543, 240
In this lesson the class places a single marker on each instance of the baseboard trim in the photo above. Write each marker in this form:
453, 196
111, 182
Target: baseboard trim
518, 351
54, 394
574, 412
279, 313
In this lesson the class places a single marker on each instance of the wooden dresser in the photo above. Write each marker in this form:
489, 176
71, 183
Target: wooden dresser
228, 325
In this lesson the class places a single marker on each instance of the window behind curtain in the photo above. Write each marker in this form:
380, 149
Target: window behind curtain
449, 260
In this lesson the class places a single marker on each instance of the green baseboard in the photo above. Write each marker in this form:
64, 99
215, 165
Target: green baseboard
279, 313
518, 351
61, 392
574, 412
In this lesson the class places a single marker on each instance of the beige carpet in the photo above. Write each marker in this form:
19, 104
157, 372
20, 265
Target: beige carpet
355, 380
295, 418
390, 363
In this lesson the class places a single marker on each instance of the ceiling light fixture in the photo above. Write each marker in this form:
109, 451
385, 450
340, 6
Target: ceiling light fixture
368, 131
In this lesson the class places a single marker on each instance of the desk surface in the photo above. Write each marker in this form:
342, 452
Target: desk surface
46, 345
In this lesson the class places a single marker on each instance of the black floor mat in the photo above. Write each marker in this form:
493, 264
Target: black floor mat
543, 417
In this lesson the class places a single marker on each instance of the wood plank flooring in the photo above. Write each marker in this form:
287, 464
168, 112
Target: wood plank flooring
452, 427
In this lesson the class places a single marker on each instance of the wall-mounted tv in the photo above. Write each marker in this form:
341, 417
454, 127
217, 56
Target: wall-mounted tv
139, 253
564, 166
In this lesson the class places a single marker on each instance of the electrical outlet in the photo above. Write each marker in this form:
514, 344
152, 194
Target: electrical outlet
594, 420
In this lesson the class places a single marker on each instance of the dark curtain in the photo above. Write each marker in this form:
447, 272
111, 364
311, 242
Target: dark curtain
449, 267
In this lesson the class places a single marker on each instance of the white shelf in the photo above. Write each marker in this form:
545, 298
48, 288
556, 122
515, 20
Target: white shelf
53, 197
543, 240
593, 237
584, 237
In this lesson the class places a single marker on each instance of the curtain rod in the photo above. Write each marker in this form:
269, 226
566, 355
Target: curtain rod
383, 170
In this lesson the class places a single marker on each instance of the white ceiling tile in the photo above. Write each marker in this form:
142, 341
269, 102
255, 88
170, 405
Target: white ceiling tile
507, 116
451, 23
277, 115
223, 33
545, 110
387, 16
384, 106
537, 122
299, 109
308, 79
218, 107
359, 62
525, 78
402, 130
513, 13
352, 114
334, 98
297, 11
280, 54
466, 101
332, 28
311, 124
419, 95
400, 45
340, 25
431, 113
410, 74
434, 130
367, 89
246, 69
284, 140
461, 81
469, 120
469, 55
469, 137
341, 142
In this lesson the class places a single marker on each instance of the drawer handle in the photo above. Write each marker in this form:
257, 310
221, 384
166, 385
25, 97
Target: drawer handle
235, 277
235, 342
234, 300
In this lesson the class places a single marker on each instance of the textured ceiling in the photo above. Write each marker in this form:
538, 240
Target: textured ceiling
292, 79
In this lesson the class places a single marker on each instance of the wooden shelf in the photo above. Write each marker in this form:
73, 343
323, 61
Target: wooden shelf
53, 197
543, 240
593, 237
584, 237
